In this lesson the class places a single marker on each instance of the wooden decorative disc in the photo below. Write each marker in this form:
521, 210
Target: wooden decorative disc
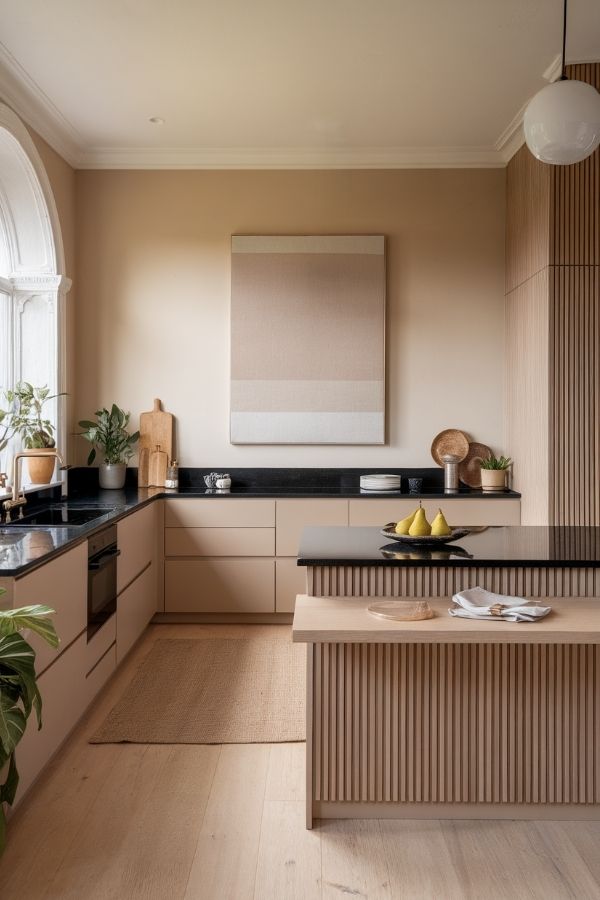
450, 441
469, 470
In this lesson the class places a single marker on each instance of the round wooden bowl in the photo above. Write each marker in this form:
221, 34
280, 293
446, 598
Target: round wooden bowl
469, 470
451, 440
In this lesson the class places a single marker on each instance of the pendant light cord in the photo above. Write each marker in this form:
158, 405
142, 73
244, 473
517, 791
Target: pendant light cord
563, 76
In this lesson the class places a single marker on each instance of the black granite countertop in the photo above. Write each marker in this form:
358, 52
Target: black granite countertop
506, 545
23, 548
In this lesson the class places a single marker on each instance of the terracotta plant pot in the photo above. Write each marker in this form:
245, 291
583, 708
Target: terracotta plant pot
493, 479
41, 468
112, 475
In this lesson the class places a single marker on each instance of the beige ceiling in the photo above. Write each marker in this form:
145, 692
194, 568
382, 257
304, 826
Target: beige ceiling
275, 82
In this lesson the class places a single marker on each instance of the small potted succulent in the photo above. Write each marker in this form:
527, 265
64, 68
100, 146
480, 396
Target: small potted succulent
493, 473
110, 436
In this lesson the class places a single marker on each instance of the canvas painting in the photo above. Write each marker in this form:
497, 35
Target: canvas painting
308, 340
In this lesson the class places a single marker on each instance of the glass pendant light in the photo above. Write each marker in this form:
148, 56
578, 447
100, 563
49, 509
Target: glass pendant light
562, 121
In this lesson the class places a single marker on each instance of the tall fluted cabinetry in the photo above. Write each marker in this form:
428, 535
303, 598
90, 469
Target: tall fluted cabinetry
552, 329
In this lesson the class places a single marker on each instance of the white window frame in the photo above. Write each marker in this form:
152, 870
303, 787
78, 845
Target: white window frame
33, 239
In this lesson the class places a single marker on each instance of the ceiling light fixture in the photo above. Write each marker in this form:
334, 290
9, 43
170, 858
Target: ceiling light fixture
562, 121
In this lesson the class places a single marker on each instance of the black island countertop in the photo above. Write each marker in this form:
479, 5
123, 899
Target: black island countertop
505, 545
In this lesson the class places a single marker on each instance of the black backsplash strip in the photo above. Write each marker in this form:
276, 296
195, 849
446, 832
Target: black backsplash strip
83, 480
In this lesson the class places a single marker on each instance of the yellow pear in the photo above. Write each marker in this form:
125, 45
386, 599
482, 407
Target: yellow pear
420, 526
404, 524
439, 525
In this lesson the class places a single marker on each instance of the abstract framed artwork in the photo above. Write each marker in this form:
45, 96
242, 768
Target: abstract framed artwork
307, 339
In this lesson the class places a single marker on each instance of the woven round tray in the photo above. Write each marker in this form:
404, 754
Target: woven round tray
451, 440
469, 470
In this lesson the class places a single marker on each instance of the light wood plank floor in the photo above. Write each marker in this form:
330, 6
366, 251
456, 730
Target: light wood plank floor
122, 822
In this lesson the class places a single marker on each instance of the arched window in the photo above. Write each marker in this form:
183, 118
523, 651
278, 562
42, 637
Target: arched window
33, 283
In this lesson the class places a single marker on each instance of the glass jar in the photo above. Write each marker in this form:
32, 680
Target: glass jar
172, 479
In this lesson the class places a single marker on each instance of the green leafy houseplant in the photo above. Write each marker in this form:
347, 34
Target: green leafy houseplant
6, 429
19, 693
496, 462
26, 415
109, 434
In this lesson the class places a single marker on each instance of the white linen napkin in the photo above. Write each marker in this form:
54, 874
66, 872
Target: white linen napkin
477, 603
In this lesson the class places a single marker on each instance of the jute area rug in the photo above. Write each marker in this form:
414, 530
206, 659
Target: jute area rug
212, 691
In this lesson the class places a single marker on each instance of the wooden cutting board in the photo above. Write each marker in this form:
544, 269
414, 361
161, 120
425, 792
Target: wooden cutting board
156, 430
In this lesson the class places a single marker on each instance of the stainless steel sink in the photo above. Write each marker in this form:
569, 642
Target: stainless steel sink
58, 517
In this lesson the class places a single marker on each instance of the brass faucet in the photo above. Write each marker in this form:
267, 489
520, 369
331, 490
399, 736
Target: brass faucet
18, 499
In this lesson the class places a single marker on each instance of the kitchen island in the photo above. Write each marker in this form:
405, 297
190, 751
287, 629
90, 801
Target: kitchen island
450, 717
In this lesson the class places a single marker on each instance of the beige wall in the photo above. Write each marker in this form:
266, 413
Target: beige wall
153, 270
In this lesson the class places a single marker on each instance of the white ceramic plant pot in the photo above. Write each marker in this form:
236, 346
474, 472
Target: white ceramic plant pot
493, 479
112, 475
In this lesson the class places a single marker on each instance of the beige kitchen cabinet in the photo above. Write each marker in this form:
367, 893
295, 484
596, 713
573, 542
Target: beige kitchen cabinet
219, 541
136, 537
62, 585
65, 696
290, 580
220, 585
136, 576
294, 515
219, 556
101, 672
219, 512
135, 607
230, 555
457, 511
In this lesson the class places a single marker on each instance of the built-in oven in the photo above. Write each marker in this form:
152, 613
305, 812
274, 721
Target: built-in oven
102, 578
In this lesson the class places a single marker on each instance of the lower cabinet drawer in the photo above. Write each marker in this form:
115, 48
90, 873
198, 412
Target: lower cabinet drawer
219, 541
97, 678
100, 642
64, 698
135, 607
290, 579
220, 585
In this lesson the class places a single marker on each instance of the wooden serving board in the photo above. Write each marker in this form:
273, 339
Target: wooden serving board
156, 430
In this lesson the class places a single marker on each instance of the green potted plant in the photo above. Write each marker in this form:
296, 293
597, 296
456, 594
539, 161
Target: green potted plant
19, 693
493, 473
110, 436
27, 419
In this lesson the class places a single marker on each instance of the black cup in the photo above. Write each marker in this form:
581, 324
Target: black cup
415, 485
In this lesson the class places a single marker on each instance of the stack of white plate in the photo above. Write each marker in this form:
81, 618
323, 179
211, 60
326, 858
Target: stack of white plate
380, 482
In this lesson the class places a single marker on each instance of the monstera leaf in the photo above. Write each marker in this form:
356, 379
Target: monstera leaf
33, 617
19, 692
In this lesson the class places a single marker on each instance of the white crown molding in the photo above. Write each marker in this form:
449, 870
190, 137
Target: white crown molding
292, 158
512, 138
26, 98
554, 70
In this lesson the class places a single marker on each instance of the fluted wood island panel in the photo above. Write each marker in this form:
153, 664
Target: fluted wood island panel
451, 717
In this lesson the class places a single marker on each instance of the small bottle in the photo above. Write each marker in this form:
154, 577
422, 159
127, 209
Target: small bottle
172, 479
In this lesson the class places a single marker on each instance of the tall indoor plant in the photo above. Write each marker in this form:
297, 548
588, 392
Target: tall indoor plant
110, 436
19, 693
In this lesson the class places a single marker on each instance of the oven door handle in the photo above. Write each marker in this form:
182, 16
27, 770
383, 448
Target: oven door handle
104, 560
